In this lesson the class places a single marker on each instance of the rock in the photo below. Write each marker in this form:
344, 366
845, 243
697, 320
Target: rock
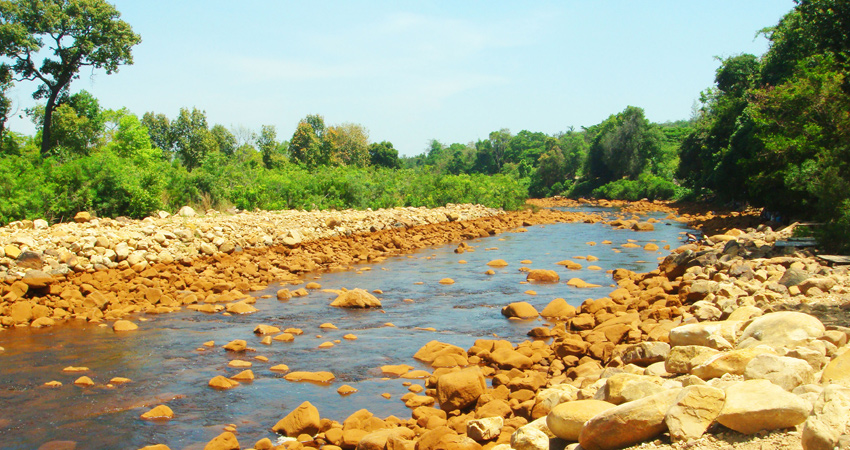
186, 211
717, 335
292, 238
244, 376
37, 279
224, 441
569, 264
646, 353
161, 412
236, 345
84, 381
784, 329
284, 294
42, 322
82, 217
783, 371
498, 263
628, 424
124, 325
625, 387
155, 447
579, 283
441, 354
745, 313
266, 329
522, 310
733, 362
543, 276
220, 382
567, 419
447, 281
458, 390
29, 260
838, 370
824, 284
381, 439
346, 390
793, 277
484, 429
683, 359
695, 409
314, 377
643, 226
559, 309
241, 307
21, 312
356, 298
756, 405
11, 251
302, 420
529, 438
828, 420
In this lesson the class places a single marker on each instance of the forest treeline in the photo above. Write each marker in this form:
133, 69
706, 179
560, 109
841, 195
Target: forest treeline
771, 132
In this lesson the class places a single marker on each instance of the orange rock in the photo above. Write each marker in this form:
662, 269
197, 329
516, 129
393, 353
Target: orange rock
72, 369
315, 377
522, 310
302, 420
498, 263
313, 285
543, 276
350, 337
84, 381
490, 272
346, 390
572, 265
328, 326
124, 325
236, 345
161, 412
120, 380
447, 281
53, 384
396, 370
279, 368
579, 283
224, 441
326, 344
239, 364
245, 375
220, 382
356, 298
284, 337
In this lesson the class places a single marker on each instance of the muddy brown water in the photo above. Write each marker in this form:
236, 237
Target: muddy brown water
162, 360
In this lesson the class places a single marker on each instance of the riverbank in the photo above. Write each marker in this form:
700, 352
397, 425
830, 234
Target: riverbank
700, 304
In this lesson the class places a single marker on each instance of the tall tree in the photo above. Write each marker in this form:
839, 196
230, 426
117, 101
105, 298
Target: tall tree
384, 155
305, 147
347, 144
79, 33
268, 145
192, 138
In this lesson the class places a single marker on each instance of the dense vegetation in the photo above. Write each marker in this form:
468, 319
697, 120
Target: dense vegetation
772, 133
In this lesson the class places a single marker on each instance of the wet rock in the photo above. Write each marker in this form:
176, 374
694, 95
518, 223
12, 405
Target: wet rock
756, 405
42, 322
447, 281
224, 441
241, 307
124, 325
521, 310
628, 424
694, 410
161, 412
643, 226
559, 309
84, 382
498, 263
315, 377
543, 276
236, 345
457, 390
569, 264
567, 419
440, 354
356, 298
302, 420
579, 283
284, 294
784, 329
155, 447
220, 382
345, 390
266, 329
21, 312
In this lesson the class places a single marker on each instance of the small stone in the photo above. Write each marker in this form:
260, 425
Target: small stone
84, 381
124, 325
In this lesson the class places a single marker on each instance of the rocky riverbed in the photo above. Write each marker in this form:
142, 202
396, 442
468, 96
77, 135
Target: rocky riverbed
723, 345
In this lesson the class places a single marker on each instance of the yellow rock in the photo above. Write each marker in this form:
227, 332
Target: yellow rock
350, 337
447, 281
328, 326
120, 380
239, 364
579, 283
84, 381
221, 382
316, 377
279, 368
72, 369
498, 263
53, 384
326, 344
124, 325
572, 265
245, 375
346, 390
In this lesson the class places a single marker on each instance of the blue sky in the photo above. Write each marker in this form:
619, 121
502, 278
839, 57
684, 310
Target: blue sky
414, 71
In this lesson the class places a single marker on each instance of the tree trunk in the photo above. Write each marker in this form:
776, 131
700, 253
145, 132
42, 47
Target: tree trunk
46, 127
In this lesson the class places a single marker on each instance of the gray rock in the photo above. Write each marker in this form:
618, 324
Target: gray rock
793, 277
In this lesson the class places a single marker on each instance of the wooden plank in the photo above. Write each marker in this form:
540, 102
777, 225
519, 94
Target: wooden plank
835, 259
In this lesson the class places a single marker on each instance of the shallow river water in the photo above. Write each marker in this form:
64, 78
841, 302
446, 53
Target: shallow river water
162, 360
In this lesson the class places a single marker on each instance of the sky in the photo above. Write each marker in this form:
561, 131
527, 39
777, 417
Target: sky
413, 71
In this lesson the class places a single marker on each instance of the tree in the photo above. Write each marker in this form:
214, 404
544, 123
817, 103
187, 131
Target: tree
384, 155
224, 139
268, 145
192, 139
79, 33
5, 102
626, 144
347, 144
159, 129
305, 147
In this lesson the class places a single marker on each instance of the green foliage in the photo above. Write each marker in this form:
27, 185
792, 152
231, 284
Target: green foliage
625, 145
646, 186
384, 155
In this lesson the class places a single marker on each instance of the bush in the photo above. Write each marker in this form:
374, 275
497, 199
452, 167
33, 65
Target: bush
646, 186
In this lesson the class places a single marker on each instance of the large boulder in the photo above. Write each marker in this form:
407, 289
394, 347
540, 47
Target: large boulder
696, 407
838, 370
683, 359
484, 429
755, 405
302, 420
441, 354
567, 419
458, 390
626, 387
529, 438
828, 420
356, 298
646, 353
628, 424
559, 309
784, 329
520, 310
224, 441
783, 371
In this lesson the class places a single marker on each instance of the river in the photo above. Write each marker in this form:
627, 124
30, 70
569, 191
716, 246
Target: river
163, 361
